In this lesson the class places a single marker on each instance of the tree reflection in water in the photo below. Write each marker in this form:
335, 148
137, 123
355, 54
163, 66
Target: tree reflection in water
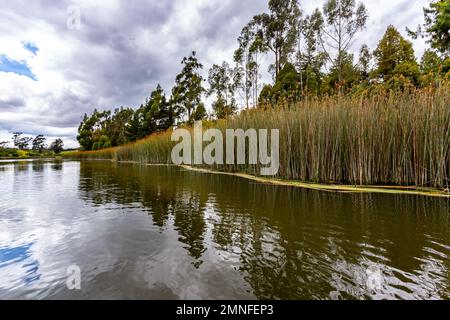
285, 242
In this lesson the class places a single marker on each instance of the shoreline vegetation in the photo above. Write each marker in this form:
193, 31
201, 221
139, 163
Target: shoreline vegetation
22, 150
380, 120
329, 187
396, 142
430, 192
54, 158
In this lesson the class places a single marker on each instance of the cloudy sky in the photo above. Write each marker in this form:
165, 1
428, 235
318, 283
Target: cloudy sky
52, 72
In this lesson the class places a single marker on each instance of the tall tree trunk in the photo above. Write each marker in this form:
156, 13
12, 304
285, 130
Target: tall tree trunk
276, 64
300, 62
256, 81
246, 81
340, 46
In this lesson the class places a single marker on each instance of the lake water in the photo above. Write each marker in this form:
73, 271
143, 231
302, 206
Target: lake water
146, 232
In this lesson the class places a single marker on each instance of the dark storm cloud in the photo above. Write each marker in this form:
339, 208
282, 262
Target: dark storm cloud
132, 66
121, 52
11, 104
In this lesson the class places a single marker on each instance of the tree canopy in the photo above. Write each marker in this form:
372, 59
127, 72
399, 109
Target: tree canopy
395, 56
436, 27
188, 89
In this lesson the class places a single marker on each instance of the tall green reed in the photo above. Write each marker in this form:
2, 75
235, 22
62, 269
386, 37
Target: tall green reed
395, 138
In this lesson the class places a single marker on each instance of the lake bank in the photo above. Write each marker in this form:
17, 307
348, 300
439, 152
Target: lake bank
331, 187
31, 159
342, 188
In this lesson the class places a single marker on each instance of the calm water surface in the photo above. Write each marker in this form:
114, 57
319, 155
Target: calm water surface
164, 233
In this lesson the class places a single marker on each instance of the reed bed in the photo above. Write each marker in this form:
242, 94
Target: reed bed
396, 138
154, 149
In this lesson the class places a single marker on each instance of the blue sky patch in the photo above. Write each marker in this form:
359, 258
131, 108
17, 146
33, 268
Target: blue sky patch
30, 47
18, 67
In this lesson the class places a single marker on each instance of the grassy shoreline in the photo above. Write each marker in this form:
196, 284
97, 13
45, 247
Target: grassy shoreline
330, 187
32, 158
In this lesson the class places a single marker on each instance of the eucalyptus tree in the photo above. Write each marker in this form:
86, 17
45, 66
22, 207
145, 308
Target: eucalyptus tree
246, 72
188, 89
364, 61
39, 143
57, 146
276, 30
20, 142
340, 22
222, 86
117, 126
92, 128
157, 113
309, 59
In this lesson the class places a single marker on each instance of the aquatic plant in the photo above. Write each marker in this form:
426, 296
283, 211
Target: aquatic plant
389, 138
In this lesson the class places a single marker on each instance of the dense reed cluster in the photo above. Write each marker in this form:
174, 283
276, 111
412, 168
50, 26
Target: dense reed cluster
400, 138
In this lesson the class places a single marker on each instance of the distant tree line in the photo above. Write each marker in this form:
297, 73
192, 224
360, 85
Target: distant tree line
310, 57
35, 145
